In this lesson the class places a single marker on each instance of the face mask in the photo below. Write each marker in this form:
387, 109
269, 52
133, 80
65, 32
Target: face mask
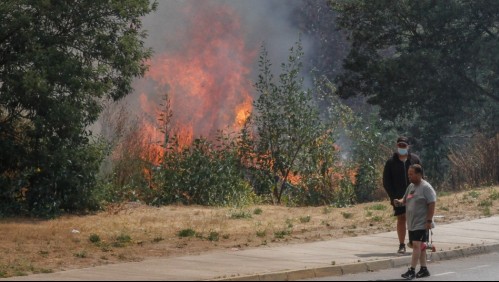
402, 152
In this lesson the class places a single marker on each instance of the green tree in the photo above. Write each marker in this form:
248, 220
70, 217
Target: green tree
286, 118
59, 60
434, 62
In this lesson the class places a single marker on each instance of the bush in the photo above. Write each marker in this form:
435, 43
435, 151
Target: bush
213, 236
186, 233
240, 214
204, 175
305, 219
94, 238
62, 179
475, 163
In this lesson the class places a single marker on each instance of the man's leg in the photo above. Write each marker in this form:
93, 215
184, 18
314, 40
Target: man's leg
423, 271
401, 228
422, 258
416, 254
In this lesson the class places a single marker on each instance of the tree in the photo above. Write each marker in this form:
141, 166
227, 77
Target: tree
431, 61
286, 119
59, 61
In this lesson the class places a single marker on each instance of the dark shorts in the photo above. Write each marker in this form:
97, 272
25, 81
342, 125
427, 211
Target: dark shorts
418, 235
398, 211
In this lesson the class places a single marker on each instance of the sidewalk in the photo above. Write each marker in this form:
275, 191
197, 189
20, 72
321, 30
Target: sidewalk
294, 261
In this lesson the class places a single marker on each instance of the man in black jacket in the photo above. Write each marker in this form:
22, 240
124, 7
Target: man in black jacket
395, 182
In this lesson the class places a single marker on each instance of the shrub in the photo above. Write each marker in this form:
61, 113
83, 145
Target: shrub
94, 238
186, 233
203, 174
305, 219
475, 163
347, 215
81, 254
124, 238
494, 195
257, 211
213, 236
281, 234
63, 180
240, 214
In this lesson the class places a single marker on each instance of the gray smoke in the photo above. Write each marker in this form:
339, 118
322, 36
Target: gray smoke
266, 22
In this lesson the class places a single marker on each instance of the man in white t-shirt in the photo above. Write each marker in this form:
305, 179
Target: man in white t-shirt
419, 200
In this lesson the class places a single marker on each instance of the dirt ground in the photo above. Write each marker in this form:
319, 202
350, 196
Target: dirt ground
133, 232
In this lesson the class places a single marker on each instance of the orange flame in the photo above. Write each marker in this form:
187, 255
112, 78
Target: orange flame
207, 77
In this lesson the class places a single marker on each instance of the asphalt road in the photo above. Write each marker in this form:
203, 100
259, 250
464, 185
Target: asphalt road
474, 268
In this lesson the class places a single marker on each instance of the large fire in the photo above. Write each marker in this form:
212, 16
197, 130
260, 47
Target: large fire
207, 76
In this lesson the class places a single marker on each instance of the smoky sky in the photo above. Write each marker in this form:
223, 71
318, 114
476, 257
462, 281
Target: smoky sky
267, 22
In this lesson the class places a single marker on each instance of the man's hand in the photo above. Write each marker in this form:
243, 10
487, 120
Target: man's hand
398, 202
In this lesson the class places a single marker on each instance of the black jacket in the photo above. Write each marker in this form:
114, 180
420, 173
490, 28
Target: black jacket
395, 175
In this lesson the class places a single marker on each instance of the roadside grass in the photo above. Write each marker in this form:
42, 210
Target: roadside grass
138, 232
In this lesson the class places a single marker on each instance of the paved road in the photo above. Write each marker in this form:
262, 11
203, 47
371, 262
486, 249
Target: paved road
474, 268
294, 261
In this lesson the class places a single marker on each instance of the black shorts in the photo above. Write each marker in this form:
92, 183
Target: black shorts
398, 210
418, 235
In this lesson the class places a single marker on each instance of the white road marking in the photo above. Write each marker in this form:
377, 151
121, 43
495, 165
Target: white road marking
480, 266
445, 273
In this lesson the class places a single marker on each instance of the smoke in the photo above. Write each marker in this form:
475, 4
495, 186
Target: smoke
206, 57
268, 22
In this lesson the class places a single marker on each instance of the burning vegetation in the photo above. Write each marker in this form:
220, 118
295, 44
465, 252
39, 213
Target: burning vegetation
208, 135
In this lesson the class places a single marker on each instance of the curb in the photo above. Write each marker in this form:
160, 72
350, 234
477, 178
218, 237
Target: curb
339, 270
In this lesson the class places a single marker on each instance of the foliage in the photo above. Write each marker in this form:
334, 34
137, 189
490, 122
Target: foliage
240, 214
62, 181
363, 147
94, 238
58, 62
213, 236
258, 175
186, 233
258, 211
305, 219
127, 174
287, 123
203, 174
474, 164
369, 153
431, 61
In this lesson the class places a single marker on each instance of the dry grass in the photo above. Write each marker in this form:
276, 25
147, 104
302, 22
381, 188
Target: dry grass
135, 232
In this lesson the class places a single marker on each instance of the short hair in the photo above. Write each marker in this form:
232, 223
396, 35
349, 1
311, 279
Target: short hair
417, 168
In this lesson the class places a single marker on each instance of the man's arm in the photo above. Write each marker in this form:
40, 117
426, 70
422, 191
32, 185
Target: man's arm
429, 215
388, 182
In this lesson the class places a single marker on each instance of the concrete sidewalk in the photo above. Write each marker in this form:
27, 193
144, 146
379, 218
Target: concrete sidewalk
295, 261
